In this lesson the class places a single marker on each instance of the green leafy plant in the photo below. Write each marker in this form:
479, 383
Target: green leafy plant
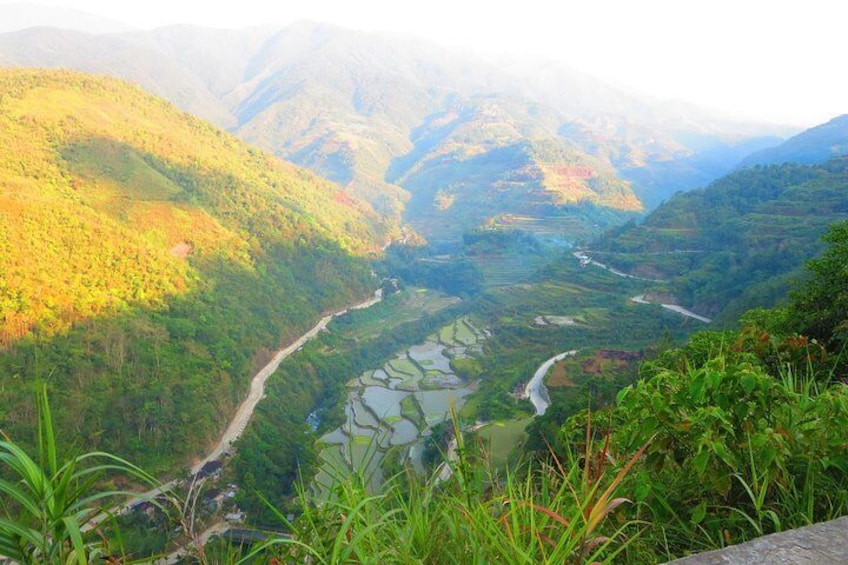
747, 440
559, 513
50, 502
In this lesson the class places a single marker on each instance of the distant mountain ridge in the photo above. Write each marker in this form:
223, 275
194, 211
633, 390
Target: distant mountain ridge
662, 180
356, 106
112, 55
23, 15
815, 145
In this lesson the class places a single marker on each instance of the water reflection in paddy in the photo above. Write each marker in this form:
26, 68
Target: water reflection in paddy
395, 405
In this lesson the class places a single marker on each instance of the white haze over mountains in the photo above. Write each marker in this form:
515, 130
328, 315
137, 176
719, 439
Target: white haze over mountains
777, 60
22, 15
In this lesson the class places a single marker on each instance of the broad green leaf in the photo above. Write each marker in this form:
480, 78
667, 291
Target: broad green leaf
699, 462
699, 512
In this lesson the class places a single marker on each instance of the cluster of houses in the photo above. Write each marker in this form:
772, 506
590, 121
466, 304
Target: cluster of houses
214, 499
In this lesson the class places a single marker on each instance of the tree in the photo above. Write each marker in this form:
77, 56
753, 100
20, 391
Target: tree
819, 307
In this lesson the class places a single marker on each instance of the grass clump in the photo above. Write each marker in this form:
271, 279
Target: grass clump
565, 512
51, 507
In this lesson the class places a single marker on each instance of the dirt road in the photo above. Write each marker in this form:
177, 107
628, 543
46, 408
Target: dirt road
257, 386
242, 415
536, 390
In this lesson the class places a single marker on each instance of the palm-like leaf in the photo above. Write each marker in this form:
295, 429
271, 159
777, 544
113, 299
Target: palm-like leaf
50, 502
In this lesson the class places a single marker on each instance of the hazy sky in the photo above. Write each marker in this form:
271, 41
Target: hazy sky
776, 60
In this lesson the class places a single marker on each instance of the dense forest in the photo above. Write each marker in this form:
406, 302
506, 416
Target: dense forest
150, 263
737, 243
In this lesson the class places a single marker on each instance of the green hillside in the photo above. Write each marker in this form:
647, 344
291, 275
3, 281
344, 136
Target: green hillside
737, 243
148, 259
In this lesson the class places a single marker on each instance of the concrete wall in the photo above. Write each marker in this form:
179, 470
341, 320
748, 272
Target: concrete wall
820, 544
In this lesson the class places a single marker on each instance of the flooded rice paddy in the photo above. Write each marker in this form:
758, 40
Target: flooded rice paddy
398, 403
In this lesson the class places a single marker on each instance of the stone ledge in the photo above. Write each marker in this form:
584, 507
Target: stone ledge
825, 543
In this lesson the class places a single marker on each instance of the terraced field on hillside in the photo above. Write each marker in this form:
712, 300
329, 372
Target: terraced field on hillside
398, 404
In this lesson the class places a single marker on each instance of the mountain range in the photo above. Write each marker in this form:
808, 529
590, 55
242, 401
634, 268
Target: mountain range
388, 116
809, 147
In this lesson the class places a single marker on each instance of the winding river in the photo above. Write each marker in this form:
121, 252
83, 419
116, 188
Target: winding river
536, 390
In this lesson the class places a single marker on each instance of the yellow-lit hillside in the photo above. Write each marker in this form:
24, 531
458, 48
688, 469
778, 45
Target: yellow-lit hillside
149, 261
109, 197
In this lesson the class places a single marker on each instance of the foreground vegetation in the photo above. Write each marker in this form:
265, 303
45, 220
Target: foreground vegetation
735, 435
554, 514
50, 498
562, 513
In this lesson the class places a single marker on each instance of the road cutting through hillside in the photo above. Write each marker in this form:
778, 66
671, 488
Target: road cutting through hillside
242, 416
587, 260
257, 385
674, 308
536, 390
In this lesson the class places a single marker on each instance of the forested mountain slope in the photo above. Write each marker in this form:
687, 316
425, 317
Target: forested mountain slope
735, 244
147, 259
